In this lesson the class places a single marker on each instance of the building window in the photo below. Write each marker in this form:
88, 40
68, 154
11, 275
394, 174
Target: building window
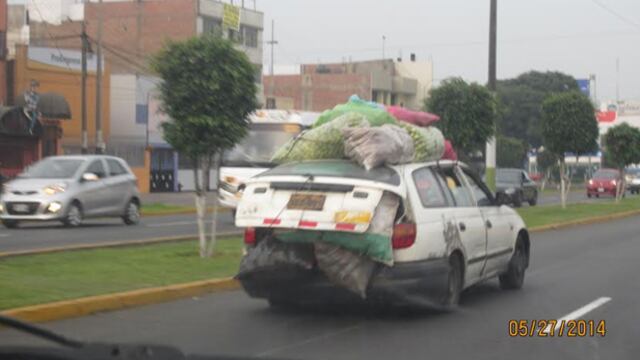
3, 45
235, 36
271, 103
250, 36
142, 113
211, 25
394, 99
257, 73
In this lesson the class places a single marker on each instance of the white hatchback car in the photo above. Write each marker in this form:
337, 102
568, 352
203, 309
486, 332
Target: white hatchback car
449, 231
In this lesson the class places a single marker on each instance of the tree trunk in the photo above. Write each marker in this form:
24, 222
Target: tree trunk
563, 194
214, 216
201, 205
620, 187
202, 213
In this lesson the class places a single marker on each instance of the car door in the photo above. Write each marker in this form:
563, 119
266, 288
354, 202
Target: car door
497, 224
117, 186
432, 209
469, 226
92, 194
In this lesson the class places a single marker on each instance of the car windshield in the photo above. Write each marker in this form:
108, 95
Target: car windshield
605, 174
260, 144
509, 176
53, 168
331, 168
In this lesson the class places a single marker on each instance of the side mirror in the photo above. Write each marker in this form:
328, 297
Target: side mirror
502, 198
89, 177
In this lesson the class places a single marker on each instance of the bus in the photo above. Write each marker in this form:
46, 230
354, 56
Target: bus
268, 131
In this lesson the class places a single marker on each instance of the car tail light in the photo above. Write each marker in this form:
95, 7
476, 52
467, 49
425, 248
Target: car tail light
613, 182
250, 236
591, 182
404, 235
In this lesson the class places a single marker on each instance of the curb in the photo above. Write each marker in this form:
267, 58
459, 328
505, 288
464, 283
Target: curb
112, 244
587, 221
89, 305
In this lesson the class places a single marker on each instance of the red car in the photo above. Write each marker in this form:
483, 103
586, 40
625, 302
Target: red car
604, 181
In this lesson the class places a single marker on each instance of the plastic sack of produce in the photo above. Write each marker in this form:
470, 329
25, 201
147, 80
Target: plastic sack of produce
375, 146
418, 118
375, 243
375, 114
428, 142
270, 254
344, 268
449, 151
323, 142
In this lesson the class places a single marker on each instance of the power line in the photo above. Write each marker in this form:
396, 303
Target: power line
616, 14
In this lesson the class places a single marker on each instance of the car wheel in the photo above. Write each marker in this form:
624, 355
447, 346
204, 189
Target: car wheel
10, 224
74, 216
131, 213
517, 200
454, 282
514, 277
534, 200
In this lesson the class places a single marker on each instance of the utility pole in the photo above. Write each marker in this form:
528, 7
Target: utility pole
490, 150
272, 42
617, 80
83, 96
384, 39
100, 146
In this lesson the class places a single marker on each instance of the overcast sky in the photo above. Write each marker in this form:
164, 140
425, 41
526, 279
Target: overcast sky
579, 37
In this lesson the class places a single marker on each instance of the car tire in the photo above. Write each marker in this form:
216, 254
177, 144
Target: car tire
73, 218
10, 224
534, 200
517, 200
454, 283
513, 279
131, 213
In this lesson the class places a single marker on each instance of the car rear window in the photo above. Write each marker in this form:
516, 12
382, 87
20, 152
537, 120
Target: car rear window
335, 168
605, 174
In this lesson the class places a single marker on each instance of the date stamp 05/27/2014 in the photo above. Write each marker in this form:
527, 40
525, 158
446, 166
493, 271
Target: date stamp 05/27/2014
557, 328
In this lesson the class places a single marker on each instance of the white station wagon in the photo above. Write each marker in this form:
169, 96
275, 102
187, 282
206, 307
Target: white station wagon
449, 231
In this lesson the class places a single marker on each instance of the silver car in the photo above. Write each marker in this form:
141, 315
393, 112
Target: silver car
71, 188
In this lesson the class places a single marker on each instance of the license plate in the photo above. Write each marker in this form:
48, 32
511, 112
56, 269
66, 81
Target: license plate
600, 189
21, 208
306, 202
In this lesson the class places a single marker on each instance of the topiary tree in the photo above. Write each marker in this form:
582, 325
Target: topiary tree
622, 146
568, 125
208, 90
467, 114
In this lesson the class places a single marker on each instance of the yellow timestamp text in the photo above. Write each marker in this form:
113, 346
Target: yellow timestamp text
557, 328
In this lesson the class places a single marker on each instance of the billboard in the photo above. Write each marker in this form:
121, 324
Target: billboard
60, 59
584, 86
231, 17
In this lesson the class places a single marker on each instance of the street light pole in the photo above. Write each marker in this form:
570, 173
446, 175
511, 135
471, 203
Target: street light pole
490, 150
99, 139
83, 91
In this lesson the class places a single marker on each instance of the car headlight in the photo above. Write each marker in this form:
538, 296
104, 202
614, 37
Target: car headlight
613, 182
55, 189
590, 182
1, 208
54, 207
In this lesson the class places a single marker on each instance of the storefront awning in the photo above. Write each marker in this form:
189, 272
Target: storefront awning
50, 105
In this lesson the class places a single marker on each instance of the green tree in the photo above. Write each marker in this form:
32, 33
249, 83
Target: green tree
207, 90
622, 146
547, 162
521, 102
467, 114
568, 125
510, 152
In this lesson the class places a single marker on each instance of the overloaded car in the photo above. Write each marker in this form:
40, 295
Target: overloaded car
517, 184
70, 189
632, 178
417, 234
604, 182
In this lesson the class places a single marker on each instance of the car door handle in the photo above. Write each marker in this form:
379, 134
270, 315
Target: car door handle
463, 227
488, 224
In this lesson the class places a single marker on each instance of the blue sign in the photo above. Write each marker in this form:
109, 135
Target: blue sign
583, 84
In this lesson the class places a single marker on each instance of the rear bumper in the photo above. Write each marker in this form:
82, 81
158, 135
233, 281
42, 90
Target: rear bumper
605, 190
421, 283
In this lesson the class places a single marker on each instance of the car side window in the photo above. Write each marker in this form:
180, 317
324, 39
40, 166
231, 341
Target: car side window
460, 193
97, 168
429, 189
115, 168
482, 195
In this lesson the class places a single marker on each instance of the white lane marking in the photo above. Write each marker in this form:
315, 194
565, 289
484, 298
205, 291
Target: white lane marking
579, 312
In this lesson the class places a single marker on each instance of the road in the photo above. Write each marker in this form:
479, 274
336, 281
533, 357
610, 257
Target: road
32, 236
570, 268
94, 231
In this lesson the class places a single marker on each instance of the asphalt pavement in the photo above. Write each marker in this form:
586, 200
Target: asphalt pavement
31, 236
570, 269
